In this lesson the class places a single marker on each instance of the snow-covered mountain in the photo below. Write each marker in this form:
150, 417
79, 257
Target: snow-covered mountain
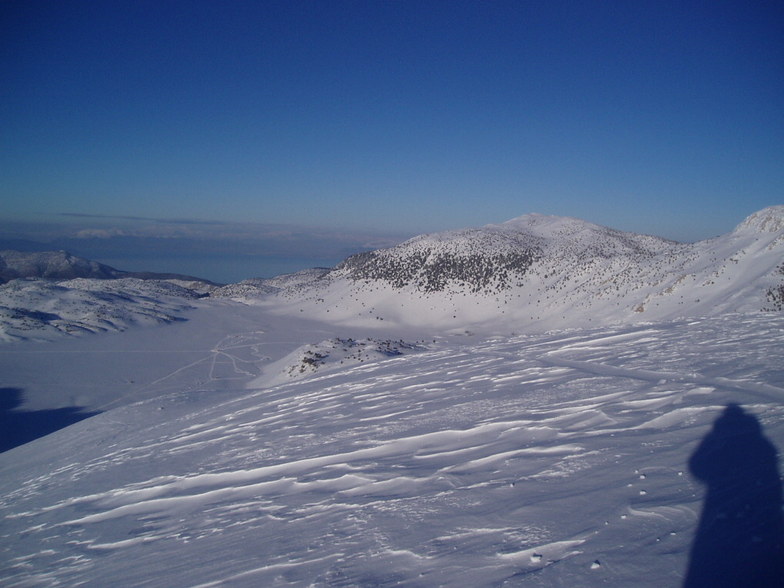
52, 265
38, 309
528, 274
537, 272
46, 294
62, 265
344, 427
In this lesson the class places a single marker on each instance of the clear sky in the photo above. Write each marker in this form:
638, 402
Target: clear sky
392, 117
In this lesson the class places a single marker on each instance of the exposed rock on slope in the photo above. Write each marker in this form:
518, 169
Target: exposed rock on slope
547, 271
497, 257
333, 354
255, 287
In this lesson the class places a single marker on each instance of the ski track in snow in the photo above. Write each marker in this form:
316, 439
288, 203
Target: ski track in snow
543, 460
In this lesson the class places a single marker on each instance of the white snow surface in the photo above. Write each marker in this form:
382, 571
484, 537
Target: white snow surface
269, 442
539, 272
530, 274
40, 310
555, 459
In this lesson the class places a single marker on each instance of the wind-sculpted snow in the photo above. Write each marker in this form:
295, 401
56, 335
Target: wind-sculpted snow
544, 402
41, 310
558, 459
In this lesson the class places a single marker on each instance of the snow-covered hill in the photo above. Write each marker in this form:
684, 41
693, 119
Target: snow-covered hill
577, 458
532, 273
255, 287
42, 309
53, 265
37, 309
332, 354
538, 272
62, 265
543, 402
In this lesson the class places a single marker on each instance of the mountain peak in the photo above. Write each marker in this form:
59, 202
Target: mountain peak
549, 222
546, 271
56, 265
767, 220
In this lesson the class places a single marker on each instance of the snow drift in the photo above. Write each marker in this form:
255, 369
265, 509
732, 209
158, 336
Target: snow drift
542, 403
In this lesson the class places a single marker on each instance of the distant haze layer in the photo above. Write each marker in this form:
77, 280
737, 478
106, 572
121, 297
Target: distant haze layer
222, 269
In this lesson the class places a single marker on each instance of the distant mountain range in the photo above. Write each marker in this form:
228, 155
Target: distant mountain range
531, 273
61, 265
380, 423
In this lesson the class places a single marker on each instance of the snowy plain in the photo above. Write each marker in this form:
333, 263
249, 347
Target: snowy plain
554, 459
353, 435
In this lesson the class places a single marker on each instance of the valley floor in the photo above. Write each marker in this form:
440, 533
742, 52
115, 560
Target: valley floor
571, 458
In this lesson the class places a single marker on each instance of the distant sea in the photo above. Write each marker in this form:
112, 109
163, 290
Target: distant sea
220, 269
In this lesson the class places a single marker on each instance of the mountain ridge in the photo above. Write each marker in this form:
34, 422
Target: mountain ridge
769, 220
62, 265
538, 271
532, 273
257, 446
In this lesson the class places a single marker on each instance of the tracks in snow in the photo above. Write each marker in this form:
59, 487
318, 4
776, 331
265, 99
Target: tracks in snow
469, 463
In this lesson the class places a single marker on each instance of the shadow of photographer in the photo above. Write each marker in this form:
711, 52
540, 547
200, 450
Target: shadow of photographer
740, 537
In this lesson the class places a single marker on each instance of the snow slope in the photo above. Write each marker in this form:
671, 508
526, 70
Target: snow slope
38, 309
539, 403
557, 459
540, 272
529, 274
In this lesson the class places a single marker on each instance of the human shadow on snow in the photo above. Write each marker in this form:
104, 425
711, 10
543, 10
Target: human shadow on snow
740, 537
18, 427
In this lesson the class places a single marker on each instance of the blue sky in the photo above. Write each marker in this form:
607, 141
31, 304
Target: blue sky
392, 118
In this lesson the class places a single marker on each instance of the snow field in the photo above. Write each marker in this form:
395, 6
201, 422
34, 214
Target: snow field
558, 459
